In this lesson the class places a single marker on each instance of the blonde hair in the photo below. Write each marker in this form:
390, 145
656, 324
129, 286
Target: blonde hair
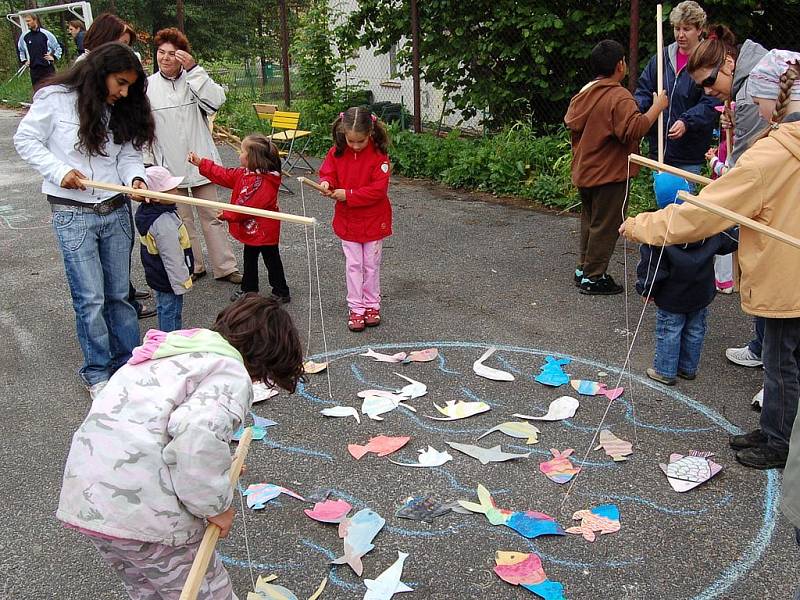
688, 12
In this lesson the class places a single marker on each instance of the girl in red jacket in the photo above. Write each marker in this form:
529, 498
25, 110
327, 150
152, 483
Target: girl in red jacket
254, 184
355, 173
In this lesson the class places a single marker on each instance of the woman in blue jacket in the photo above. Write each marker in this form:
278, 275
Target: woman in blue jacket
691, 116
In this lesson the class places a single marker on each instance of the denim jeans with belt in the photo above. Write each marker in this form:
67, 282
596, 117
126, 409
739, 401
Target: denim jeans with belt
679, 341
96, 252
170, 307
781, 356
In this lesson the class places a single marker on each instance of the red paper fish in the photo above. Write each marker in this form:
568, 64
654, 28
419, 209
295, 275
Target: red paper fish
381, 445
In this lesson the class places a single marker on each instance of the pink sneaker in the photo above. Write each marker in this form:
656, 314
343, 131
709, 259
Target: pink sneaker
372, 317
355, 321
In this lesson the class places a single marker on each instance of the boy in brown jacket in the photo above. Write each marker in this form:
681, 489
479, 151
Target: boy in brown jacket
606, 127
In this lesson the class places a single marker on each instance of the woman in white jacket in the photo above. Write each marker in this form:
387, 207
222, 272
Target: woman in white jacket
183, 95
92, 122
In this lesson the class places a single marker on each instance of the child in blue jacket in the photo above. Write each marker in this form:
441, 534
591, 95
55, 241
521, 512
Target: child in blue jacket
682, 288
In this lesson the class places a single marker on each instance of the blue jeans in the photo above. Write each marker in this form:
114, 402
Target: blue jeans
679, 341
781, 356
170, 307
96, 252
696, 169
757, 343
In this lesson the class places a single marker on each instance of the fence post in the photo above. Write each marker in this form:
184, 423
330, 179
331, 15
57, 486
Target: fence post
287, 93
415, 66
633, 61
179, 16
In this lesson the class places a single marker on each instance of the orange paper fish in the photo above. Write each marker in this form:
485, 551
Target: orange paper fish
381, 445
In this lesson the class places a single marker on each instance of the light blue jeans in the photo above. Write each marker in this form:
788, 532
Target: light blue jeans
170, 307
679, 341
96, 251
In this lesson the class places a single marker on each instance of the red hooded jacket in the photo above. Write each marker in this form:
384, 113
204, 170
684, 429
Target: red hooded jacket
250, 188
365, 215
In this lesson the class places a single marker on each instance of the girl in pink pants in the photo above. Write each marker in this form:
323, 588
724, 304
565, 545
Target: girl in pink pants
355, 174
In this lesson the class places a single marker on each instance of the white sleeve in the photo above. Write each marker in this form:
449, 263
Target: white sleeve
34, 132
210, 95
52, 44
22, 49
130, 164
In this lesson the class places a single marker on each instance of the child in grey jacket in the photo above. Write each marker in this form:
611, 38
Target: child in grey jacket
150, 463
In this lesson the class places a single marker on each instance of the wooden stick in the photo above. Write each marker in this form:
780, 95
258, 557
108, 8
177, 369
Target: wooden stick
728, 135
740, 219
312, 184
660, 77
660, 166
246, 210
200, 565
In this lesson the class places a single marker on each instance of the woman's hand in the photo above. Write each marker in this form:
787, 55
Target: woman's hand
72, 180
677, 130
726, 120
224, 521
194, 159
338, 195
139, 185
187, 60
711, 153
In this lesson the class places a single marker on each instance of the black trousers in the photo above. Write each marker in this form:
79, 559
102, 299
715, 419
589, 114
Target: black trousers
272, 260
781, 356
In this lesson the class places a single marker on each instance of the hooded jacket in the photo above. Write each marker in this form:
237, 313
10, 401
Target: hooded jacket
606, 127
749, 123
151, 460
166, 249
763, 186
687, 103
684, 280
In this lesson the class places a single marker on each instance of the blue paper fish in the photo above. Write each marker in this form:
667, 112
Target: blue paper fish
358, 533
552, 374
259, 494
259, 433
529, 524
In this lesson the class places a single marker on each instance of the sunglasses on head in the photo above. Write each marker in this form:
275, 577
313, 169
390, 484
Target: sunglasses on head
711, 79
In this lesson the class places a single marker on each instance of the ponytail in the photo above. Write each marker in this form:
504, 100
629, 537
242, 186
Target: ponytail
362, 121
711, 52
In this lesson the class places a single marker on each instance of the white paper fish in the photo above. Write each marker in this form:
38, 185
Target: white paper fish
373, 406
428, 458
459, 410
559, 409
485, 455
489, 372
388, 583
426, 355
414, 389
270, 591
312, 368
388, 358
381, 394
341, 411
262, 391
517, 429
687, 472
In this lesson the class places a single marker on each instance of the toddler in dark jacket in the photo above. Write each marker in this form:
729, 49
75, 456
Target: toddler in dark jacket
682, 288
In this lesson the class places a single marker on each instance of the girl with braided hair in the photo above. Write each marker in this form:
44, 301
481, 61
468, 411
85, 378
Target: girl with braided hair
763, 186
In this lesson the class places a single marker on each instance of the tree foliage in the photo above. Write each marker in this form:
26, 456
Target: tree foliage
312, 51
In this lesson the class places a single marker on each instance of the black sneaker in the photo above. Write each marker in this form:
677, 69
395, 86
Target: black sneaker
687, 376
145, 312
599, 286
753, 439
237, 294
762, 457
578, 276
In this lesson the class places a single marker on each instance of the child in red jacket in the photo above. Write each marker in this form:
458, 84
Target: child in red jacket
254, 184
355, 173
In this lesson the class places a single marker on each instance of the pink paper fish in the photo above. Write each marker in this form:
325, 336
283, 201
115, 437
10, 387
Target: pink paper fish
560, 468
602, 519
592, 388
381, 445
525, 570
329, 511
426, 355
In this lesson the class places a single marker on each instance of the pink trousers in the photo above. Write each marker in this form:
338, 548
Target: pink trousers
363, 273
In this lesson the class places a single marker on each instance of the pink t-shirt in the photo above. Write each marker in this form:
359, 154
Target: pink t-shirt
683, 59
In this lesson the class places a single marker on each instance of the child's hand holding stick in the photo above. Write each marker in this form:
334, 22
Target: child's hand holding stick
194, 159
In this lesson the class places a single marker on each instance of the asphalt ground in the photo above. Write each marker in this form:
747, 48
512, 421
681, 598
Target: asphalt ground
462, 272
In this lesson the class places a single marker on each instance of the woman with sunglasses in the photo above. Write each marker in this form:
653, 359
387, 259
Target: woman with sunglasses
691, 117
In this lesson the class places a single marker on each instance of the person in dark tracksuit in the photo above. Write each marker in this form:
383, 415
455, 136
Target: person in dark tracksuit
39, 49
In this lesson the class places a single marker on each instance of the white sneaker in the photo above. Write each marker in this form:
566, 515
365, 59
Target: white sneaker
94, 390
743, 356
758, 400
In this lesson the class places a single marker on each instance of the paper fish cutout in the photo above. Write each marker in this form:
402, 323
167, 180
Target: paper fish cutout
381, 394
329, 511
270, 591
388, 358
551, 373
603, 519
559, 468
341, 411
388, 583
485, 455
459, 410
312, 368
592, 388
358, 534
259, 433
259, 494
414, 389
374, 406
525, 570
381, 445
428, 458
426, 355
517, 429
262, 422
687, 472
262, 391
561, 408
529, 524
422, 508
489, 372
616, 448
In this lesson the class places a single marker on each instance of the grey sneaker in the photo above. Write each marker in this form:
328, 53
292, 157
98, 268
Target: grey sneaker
744, 357
656, 376
95, 389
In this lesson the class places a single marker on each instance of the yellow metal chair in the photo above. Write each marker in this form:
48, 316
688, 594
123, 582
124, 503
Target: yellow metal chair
285, 131
265, 112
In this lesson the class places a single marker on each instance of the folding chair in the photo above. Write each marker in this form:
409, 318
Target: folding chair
264, 112
284, 130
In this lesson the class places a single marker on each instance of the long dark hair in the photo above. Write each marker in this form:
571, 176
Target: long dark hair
360, 120
130, 119
106, 28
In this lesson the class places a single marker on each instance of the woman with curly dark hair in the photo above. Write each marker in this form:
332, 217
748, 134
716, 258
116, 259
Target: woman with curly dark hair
93, 120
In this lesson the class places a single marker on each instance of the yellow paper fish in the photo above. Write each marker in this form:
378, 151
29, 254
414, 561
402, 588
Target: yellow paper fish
460, 410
